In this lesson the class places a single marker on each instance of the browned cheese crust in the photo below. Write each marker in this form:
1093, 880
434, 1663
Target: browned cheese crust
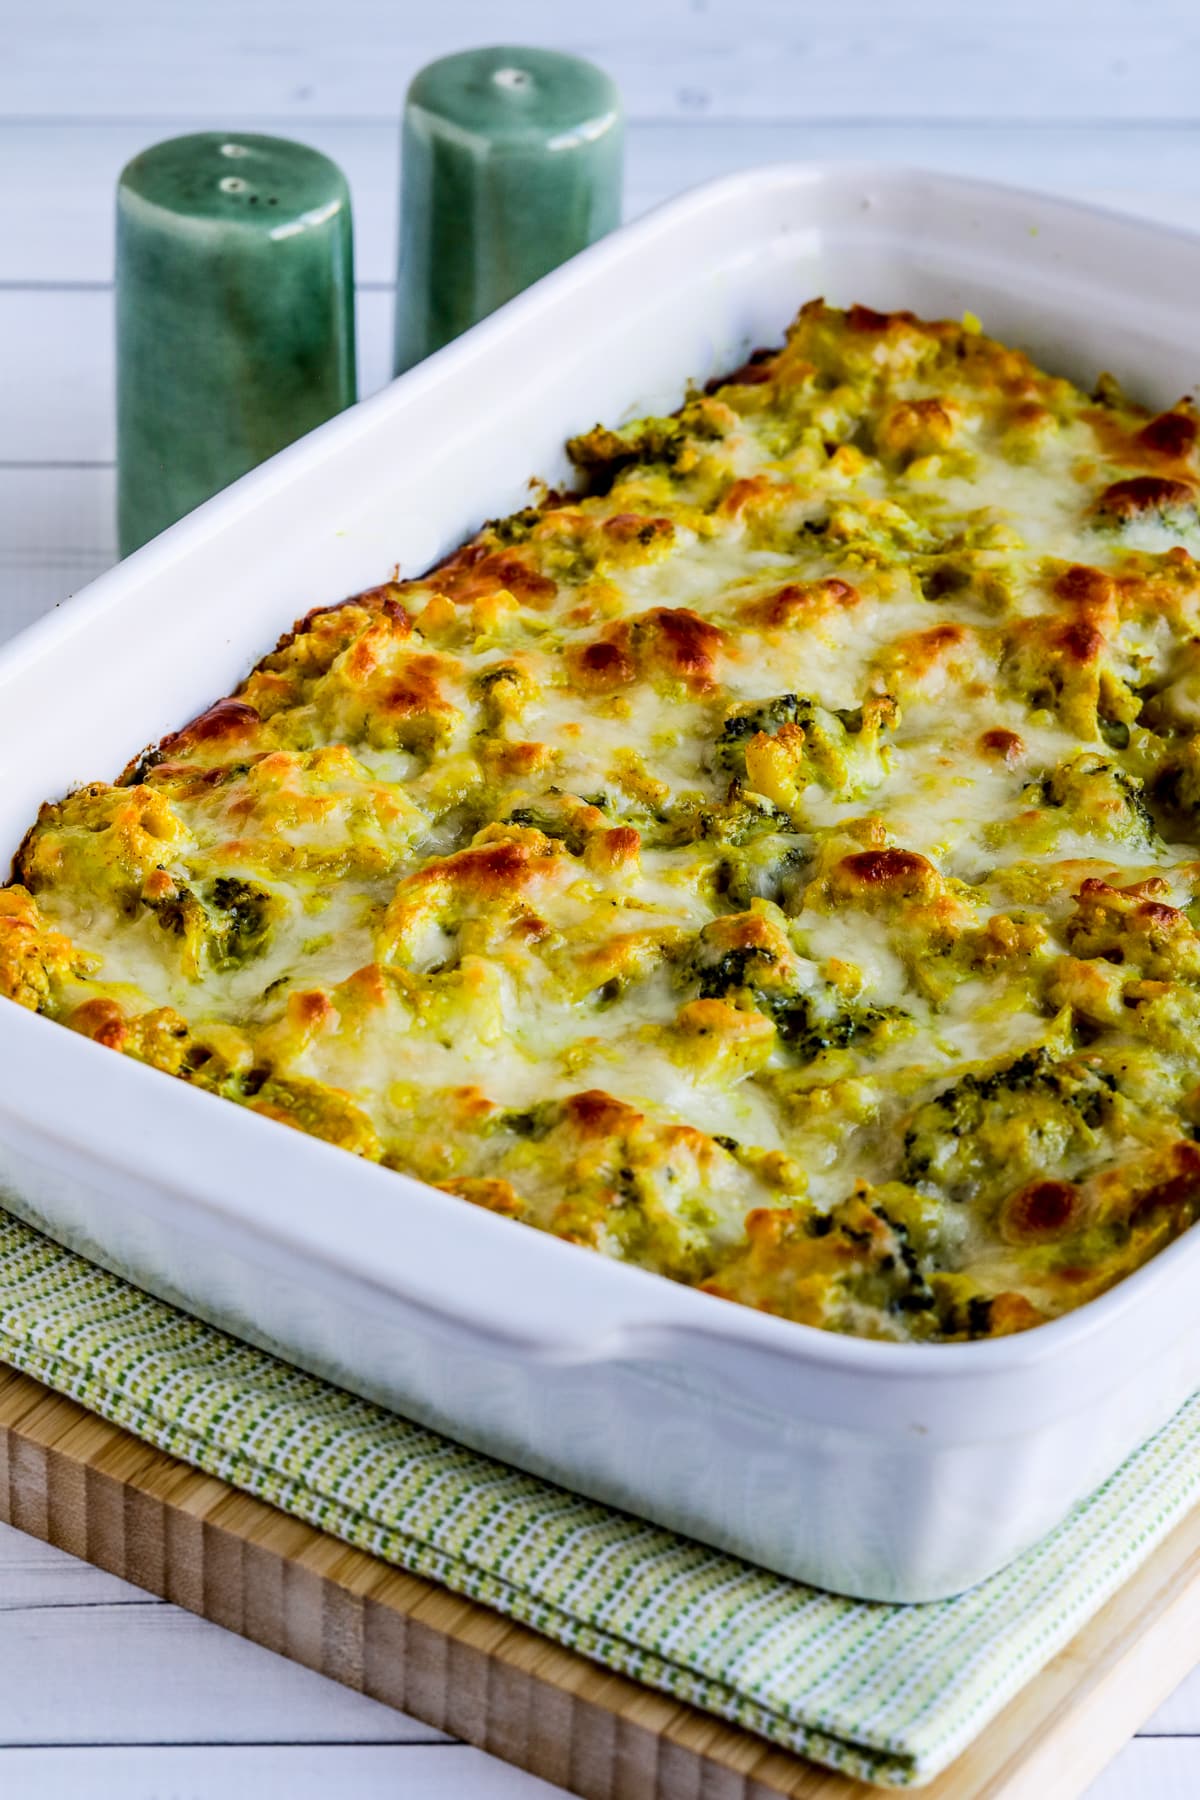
774, 864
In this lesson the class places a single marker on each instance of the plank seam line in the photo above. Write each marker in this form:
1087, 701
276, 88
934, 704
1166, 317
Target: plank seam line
52, 285
697, 120
442, 1743
44, 1606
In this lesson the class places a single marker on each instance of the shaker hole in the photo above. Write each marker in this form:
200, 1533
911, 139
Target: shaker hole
512, 78
234, 150
231, 184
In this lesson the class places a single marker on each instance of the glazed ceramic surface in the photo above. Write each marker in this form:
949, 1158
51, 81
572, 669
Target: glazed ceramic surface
511, 163
235, 316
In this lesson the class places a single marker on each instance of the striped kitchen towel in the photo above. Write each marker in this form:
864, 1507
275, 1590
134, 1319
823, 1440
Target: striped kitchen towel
890, 1694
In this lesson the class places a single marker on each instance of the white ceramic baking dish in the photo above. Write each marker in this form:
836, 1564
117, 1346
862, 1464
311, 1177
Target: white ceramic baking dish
893, 1472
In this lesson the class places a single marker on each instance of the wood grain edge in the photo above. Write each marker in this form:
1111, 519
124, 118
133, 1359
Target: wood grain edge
76, 1481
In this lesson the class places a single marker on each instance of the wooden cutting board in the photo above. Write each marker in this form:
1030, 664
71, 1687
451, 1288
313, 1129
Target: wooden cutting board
89, 1487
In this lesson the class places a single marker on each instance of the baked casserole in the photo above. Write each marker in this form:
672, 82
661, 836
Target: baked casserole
772, 864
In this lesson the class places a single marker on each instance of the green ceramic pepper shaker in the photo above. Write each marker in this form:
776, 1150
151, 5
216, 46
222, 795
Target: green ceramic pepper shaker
511, 162
235, 316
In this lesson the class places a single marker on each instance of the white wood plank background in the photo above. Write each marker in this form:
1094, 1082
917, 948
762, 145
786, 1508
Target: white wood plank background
104, 1692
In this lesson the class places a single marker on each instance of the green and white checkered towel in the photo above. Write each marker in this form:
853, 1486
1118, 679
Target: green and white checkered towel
887, 1693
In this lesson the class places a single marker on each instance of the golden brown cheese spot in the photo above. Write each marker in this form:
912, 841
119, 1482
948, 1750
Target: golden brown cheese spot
1078, 642
722, 1043
636, 532
321, 1111
665, 643
160, 1037
495, 877
1171, 435
1026, 430
749, 494
488, 1192
800, 603
326, 630
757, 939
413, 705
609, 969
606, 664
637, 1188
1133, 926
617, 848
885, 875
577, 545
306, 653
1169, 438
1064, 664
677, 643
309, 1012
521, 761
1164, 1181
476, 570
337, 652
1142, 495
926, 917
1002, 745
1165, 588
914, 428
759, 367
34, 958
225, 723
374, 647
709, 1018
913, 662
110, 838
382, 692
866, 319
1040, 1212
101, 1020
493, 869
595, 1114
1090, 590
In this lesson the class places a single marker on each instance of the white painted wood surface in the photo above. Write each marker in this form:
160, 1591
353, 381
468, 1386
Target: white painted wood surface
104, 1692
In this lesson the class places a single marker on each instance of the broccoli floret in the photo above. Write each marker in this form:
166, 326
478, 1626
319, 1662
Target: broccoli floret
601, 454
809, 1026
1100, 798
735, 970
768, 868
743, 819
531, 1121
516, 528
243, 923
808, 1022
840, 749
769, 716
987, 1133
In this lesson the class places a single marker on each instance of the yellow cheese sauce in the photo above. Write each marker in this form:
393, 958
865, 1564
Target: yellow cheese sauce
773, 863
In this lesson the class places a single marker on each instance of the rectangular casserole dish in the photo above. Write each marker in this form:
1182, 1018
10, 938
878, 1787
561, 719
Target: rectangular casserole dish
896, 1472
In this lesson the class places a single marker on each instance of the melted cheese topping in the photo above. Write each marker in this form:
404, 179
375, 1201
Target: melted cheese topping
773, 864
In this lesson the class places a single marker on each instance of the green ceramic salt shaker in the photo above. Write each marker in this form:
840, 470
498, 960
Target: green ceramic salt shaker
235, 315
511, 162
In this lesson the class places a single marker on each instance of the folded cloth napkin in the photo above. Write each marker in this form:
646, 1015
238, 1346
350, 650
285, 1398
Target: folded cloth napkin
889, 1694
